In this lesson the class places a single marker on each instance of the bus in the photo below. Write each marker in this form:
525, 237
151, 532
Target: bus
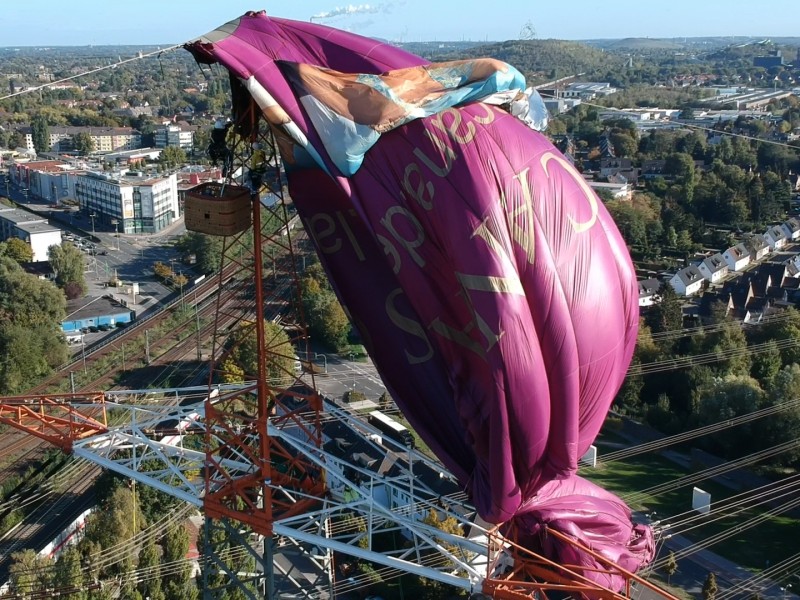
391, 428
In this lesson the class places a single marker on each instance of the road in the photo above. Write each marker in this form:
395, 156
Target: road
337, 375
129, 257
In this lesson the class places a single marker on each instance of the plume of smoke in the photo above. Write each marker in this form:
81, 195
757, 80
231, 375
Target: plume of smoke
350, 9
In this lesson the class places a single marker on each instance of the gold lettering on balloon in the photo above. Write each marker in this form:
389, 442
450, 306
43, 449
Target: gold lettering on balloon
447, 153
587, 191
349, 233
522, 230
409, 326
410, 245
462, 337
390, 250
320, 235
491, 283
418, 192
489, 114
452, 129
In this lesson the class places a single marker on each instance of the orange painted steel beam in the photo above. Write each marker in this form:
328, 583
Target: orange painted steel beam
533, 575
60, 419
271, 480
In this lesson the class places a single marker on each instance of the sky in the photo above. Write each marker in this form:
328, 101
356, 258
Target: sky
146, 22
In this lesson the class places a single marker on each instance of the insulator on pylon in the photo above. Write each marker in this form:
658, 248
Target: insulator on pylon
218, 209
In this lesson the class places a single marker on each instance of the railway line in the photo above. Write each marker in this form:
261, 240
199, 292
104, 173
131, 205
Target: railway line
226, 295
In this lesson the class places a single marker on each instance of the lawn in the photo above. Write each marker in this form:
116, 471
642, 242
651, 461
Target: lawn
772, 540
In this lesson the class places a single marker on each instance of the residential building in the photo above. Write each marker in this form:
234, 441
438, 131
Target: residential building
653, 168
791, 228
737, 257
648, 292
773, 59
588, 90
758, 246
35, 230
776, 237
612, 165
105, 139
714, 268
180, 135
687, 281
619, 191
130, 203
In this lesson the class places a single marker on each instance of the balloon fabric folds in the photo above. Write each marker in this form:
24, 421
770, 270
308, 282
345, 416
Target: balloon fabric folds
492, 289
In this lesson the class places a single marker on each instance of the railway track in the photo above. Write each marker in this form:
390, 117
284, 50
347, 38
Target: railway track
233, 301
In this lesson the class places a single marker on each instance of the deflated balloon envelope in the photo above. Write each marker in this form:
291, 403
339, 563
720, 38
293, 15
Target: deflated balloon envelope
490, 285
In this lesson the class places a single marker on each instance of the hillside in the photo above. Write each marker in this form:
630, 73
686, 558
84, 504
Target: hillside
538, 60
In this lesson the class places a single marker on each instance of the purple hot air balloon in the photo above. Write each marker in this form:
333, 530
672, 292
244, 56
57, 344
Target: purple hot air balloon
492, 289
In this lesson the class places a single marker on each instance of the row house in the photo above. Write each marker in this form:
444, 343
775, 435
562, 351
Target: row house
714, 268
648, 292
737, 257
758, 246
688, 281
775, 237
792, 229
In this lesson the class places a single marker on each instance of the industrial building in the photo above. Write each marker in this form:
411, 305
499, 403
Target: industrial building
100, 312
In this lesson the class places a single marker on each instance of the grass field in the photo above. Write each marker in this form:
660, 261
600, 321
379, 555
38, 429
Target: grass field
772, 540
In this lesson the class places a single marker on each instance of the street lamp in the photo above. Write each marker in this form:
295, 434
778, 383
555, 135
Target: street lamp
351, 355
324, 360
92, 216
115, 223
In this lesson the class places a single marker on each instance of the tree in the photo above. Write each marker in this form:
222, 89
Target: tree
162, 271
67, 262
726, 398
30, 574
172, 156
69, 575
667, 315
206, 248
766, 364
710, 587
280, 352
671, 566
113, 526
149, 562
385, 401
83, 143
176, 545
31, 343
40, 132
325, 316
17, 249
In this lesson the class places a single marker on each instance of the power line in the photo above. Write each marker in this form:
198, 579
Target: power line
139, 56
699, 432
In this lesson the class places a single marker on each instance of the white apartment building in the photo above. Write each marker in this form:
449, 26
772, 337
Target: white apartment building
105, 139
132, 204
174, 135
30, 228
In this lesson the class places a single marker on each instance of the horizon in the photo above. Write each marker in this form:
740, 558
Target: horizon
754, 38
34, 24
